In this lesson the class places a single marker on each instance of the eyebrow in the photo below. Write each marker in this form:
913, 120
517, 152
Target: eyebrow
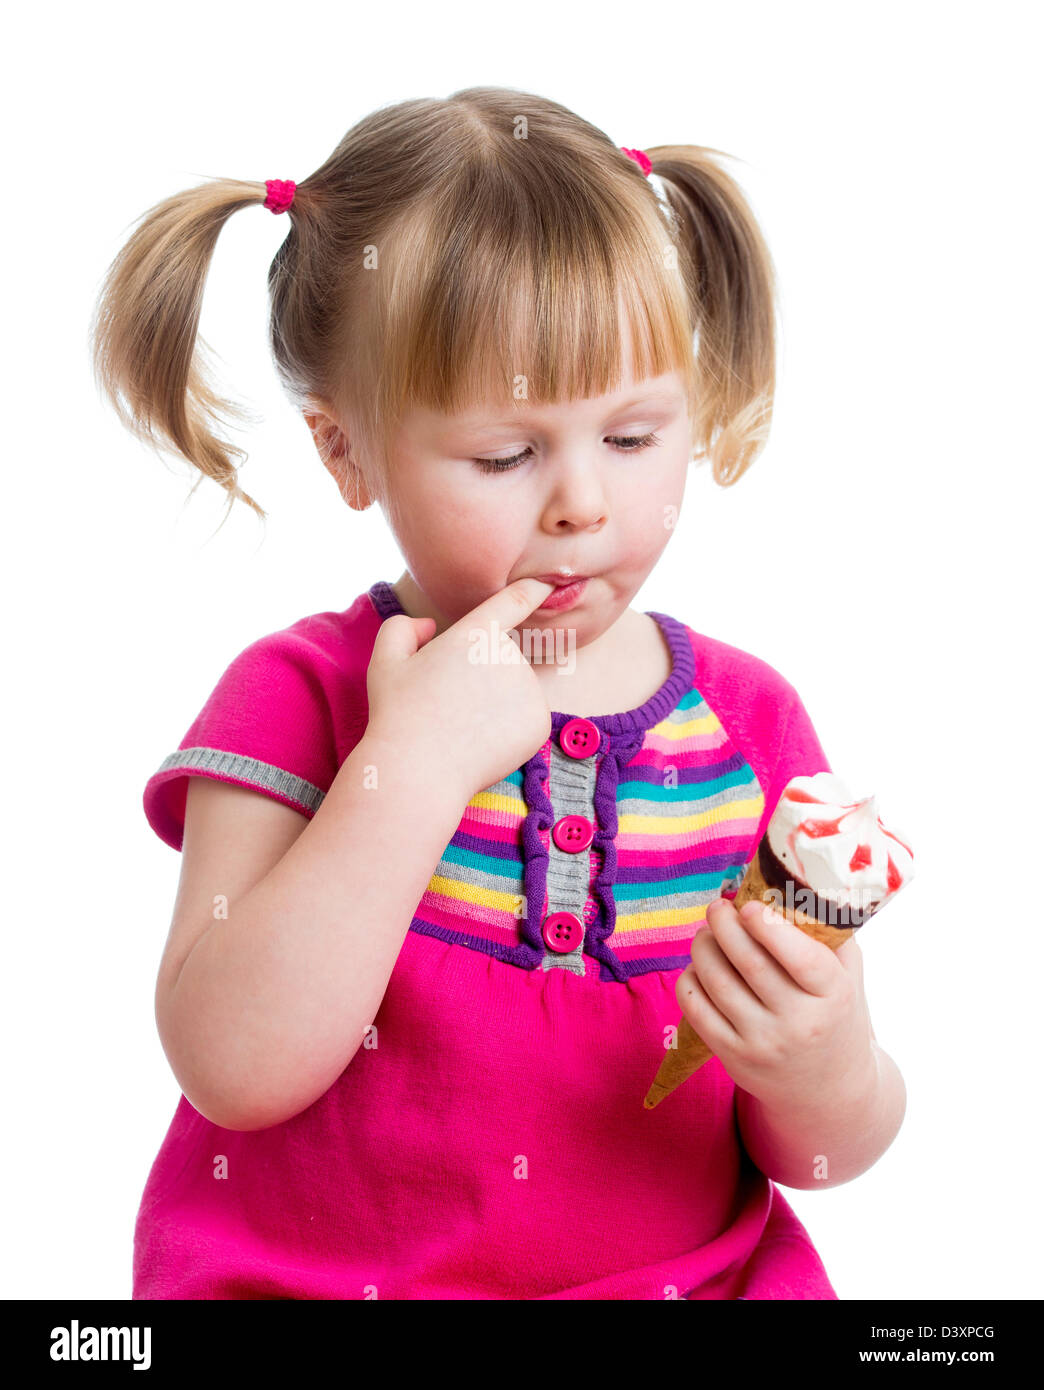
656, 396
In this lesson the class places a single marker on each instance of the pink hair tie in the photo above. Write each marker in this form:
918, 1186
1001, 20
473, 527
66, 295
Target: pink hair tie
640, 158
280, 194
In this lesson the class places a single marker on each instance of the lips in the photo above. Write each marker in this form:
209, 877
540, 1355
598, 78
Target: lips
564, 596
561, 580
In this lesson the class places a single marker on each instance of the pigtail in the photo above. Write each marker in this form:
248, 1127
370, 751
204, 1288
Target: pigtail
731, 285
145, 352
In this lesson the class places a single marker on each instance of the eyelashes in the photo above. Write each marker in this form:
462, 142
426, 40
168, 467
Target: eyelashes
625, 444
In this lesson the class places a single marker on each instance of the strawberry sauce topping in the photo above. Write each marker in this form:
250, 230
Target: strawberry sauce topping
861, 859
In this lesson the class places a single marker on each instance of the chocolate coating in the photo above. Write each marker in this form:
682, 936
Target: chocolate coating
825, 910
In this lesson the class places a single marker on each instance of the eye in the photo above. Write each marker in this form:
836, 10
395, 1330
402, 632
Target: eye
626, 444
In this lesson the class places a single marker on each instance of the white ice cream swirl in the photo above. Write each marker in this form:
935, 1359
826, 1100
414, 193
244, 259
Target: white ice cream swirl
836, 845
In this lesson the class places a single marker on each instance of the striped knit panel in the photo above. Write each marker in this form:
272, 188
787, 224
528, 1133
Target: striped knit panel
689, 807
475, 896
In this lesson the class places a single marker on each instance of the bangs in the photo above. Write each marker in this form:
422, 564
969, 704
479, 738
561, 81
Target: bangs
503, 293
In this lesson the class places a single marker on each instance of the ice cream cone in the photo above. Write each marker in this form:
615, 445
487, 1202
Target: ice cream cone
678, 1063
691, 1051
824, 849
755, 889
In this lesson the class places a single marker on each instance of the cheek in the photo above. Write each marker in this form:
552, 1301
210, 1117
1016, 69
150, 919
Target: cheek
470, 538
443, 521
487, 539
489, 534
647, 526
652, 509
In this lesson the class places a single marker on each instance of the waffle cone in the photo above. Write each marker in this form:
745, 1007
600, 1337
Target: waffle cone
680, 1062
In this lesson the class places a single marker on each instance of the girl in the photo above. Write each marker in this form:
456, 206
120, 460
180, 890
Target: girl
454, 859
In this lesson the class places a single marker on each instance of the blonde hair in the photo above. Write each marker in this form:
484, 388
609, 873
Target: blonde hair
445, 250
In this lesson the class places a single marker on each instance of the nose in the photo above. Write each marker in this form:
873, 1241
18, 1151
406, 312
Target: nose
577, 500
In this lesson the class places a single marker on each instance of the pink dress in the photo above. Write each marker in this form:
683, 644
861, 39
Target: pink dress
494, 1144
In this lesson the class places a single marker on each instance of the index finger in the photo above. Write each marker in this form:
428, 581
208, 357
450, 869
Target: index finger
799, 953
509, 606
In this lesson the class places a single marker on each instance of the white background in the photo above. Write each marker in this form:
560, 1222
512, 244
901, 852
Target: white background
883, 554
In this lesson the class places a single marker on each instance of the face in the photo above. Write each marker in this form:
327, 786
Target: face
496, 494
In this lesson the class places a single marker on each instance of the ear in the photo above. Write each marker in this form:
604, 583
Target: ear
334, 449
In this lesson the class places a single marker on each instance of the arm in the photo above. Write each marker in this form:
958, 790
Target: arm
271, 1004
839, 1137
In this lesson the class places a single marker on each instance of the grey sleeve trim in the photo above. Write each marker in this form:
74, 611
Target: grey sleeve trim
264, 776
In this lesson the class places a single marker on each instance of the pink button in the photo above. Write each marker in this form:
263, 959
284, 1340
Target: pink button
562, 932
579, 738
572, 833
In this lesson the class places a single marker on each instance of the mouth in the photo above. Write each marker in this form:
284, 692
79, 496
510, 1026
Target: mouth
566, 593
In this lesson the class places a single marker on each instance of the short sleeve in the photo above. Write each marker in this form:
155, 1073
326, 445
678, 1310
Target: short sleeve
800, 754
763, 716
267, 725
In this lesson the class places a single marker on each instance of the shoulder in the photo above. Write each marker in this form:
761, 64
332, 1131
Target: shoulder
320, 643
741, 684
289, 681
759, 712
281, 718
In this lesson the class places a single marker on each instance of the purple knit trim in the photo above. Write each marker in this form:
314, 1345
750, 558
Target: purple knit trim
526, 956
657, 707
536, 825
384, 599
606, 827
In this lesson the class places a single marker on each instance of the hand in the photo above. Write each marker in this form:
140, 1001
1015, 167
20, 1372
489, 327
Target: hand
786, 1016
467, 700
